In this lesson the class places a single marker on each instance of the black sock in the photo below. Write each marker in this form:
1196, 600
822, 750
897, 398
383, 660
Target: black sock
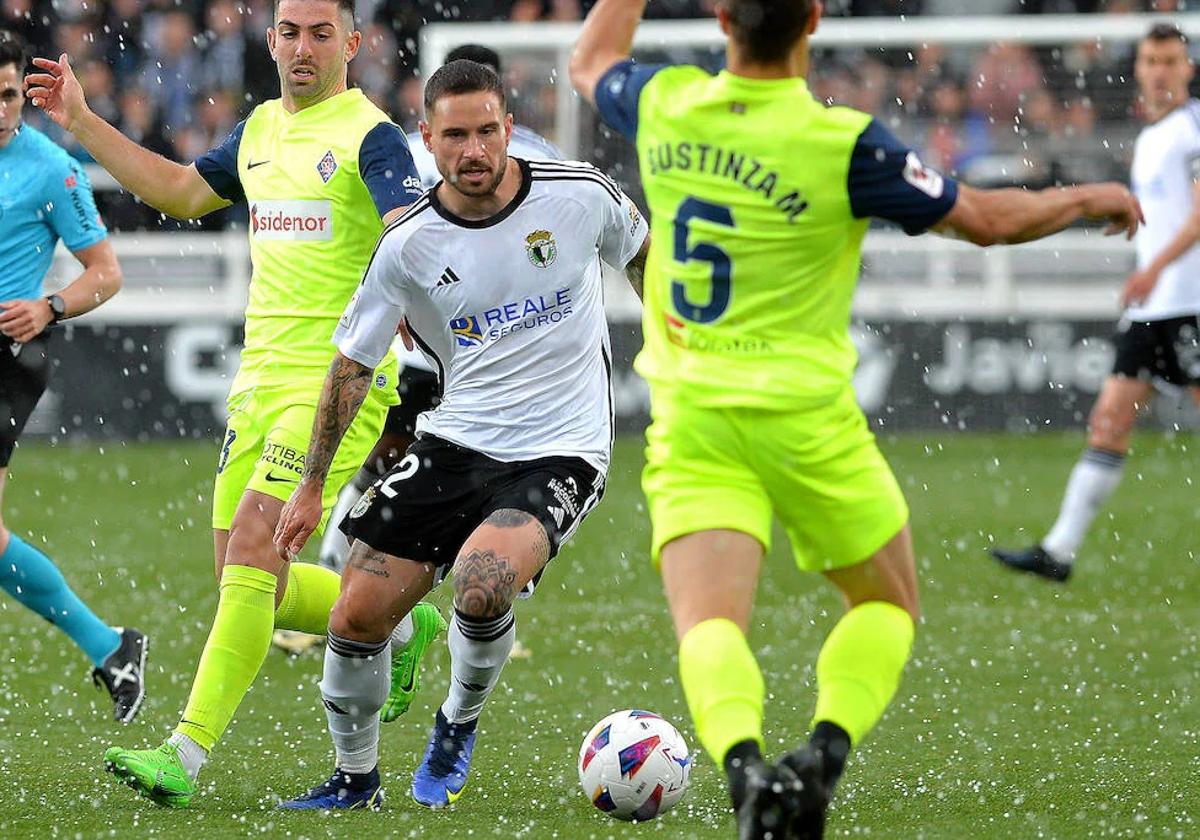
739, 757
358, 781
456, 728
834, 743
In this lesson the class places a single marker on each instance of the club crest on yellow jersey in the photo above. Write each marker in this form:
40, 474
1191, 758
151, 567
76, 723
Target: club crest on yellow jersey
542, 248
327, 166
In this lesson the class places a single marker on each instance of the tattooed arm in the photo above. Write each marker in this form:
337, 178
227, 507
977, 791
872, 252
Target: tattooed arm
636, 270
341, 397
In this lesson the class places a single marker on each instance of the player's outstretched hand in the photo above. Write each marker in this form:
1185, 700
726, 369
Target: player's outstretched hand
1138, 287
1115, 204
56, 91
298, 519
22, 320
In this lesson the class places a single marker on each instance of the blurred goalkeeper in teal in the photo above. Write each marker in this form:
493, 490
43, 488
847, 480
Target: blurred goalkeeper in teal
45, 197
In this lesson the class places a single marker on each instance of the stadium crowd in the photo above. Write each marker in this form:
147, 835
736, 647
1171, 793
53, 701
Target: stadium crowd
177, 75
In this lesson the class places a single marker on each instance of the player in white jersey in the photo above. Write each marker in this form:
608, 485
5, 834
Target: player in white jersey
1159, 333
525, 142
418, 386
497, 275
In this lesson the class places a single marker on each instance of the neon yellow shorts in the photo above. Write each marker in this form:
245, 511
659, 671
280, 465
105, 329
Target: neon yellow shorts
266, 439
820, 472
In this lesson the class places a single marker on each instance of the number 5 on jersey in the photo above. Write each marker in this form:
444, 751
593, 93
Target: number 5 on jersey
715, 256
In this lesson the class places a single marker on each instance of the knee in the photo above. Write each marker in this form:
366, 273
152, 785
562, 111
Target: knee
1109, 427
350, 622
481, 598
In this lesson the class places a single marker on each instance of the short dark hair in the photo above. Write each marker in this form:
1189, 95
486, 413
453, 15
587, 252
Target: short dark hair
486, 56
768, 29
1164, 31
12, 50
343, 5
462, 76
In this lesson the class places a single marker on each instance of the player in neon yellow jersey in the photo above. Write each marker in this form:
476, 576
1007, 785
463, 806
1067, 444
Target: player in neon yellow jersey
322, 170
760, 197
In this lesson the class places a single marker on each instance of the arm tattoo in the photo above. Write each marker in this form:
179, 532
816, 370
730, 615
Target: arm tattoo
636, 269
345, 388
484, 583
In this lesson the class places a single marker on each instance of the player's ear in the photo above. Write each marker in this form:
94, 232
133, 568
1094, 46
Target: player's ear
723, 19
352, 44
426, 135
508, 127
271, 35
814, 19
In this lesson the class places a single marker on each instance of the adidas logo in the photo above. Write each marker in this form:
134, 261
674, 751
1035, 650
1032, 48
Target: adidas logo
448, 278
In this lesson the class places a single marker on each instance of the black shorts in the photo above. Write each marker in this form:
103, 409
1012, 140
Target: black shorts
427, 505
419, 391
1168, 350
24, 373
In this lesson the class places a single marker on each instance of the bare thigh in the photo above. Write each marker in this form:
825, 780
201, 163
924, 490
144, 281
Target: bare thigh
378, 590
711, 574
1114, 415
250, 539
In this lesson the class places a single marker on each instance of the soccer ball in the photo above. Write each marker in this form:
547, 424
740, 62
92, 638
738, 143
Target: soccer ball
633, 765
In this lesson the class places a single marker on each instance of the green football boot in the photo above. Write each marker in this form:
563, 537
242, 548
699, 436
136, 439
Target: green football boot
428, 624
156, 774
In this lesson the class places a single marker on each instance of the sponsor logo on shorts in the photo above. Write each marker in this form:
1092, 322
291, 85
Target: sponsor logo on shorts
526, 314
285, 457
294, 221
566, 493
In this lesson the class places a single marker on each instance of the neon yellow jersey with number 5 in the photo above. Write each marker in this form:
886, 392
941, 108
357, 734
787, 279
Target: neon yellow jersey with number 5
759, 197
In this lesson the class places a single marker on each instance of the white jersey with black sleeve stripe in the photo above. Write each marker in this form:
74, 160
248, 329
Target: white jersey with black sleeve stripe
512, 310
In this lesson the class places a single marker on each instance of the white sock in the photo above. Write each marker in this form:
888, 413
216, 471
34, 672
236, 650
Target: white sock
335, 548
191, 754
1093, 480
353, 689
403, 633
478, 650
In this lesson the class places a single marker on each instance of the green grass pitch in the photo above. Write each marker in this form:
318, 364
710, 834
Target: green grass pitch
1028, 710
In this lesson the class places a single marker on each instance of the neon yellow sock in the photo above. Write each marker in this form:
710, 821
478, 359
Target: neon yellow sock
309, 598
233, 654
723, 686
860, 664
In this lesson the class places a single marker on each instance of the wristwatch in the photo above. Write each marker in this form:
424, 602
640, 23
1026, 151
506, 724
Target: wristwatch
58, 308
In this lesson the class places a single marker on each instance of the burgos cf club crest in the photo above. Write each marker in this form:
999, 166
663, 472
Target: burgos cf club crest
542, 248
466, 331
363, 503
